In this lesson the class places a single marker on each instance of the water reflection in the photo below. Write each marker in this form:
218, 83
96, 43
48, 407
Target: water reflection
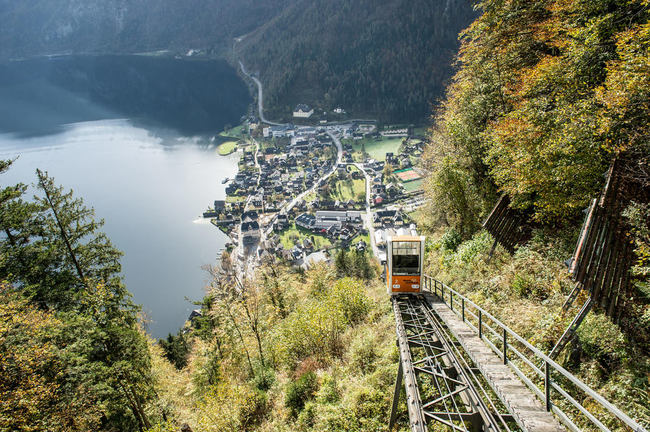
192, 97
150, 177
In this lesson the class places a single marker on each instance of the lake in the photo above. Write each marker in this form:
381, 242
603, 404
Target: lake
149, 168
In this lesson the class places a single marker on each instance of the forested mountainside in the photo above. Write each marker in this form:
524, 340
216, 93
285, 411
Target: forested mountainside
388, 58
40, 27
548, 93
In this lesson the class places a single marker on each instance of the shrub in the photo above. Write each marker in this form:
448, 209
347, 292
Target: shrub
300, 391
329, 390
264, 379
307, 416
363, 353
470, 250
253, 410
315, 327
176, 349
523, 284
450, 240
602, 340
348, 298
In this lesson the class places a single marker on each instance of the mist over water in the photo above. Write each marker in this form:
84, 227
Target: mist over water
150, 184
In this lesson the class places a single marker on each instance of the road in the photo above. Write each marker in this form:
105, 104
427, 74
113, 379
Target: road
291, 204
246, 266
260, 97
370, 225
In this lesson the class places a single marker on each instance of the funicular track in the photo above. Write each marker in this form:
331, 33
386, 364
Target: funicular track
464, 370
442, 385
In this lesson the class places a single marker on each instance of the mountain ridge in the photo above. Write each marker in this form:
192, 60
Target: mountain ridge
389, 58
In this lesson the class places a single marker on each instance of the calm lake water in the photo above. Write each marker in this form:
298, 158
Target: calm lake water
149, 184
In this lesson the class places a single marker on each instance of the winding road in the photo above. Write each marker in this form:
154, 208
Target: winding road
247, 265
291, 204
260, 96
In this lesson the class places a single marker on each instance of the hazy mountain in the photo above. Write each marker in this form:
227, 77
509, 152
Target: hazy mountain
32, 27
386, 58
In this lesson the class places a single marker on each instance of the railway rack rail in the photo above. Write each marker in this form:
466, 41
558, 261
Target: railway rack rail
446, 383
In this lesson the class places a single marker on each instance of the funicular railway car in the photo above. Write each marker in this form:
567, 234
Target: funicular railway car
404, 264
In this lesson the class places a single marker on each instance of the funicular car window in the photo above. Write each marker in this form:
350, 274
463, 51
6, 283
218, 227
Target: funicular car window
406, 258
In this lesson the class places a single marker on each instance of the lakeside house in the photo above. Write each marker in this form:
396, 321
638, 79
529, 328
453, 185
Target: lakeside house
327, 219
394, 133
303, 111
250, 232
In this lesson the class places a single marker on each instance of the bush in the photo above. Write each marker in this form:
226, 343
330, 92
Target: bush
307, 416
523, 284
300, 391
176, 349
329, 390
253, 410
466, 252
207, 367
363, 353
348, 298
602, 340
264, 379
315, 327
450, 240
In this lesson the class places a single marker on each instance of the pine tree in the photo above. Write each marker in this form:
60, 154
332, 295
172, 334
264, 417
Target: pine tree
55, 256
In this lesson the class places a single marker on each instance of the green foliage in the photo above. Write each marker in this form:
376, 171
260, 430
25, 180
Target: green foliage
330, 359
253, 410
450, 240
363, 354
264, 378
206, 370
31, 395
300, 391
539, 116
176, 349
329, 391
229, 406
354, 264
467, 252
639, 217
316, 326
54, 253
602, 340
396, 55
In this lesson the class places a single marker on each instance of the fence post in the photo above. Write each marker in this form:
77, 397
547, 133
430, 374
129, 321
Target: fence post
442, 292
505, 347
451, 299
462, 306
480, 324
547, 385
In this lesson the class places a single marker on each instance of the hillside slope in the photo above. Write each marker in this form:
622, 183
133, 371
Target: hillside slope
388, 58
37, 27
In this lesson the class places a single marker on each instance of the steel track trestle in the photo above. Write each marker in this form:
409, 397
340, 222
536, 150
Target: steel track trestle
441, 386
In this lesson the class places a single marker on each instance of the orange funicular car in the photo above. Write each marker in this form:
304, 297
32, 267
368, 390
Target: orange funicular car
404, 263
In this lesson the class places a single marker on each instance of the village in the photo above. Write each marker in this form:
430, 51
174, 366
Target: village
305, 191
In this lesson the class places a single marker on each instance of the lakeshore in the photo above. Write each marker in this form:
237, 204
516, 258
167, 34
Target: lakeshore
149, 183
303, 192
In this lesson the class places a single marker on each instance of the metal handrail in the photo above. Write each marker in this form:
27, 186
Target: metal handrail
442, 290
